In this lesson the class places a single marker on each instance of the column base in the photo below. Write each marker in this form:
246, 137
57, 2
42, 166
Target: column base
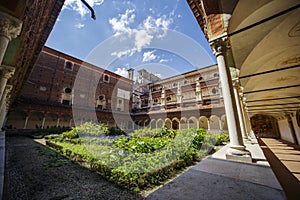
238, 153
252, 137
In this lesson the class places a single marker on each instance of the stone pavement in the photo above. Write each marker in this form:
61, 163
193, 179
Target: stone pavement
2, 161
217, 178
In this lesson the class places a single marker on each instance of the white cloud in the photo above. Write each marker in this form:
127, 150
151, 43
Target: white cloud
79, 7
148, 56
122, 72
79, 25
158, 75
163, 60
121, 23
143, 35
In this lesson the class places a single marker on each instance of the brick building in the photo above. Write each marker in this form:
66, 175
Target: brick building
190, 100
62, 91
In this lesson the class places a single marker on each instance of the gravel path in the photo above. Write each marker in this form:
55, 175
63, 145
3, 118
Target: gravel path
35, 172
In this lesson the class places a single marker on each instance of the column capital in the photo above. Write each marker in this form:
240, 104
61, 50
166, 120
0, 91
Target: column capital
6, 71
10, 27
219, 45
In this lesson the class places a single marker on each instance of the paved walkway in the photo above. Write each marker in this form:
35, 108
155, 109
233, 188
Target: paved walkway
284, 158
217, 178
2, 161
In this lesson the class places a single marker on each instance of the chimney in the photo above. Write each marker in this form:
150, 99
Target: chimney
130, 73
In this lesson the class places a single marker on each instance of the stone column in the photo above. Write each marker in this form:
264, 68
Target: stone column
70, 123
163, 96
208, 125
10, 27
251, 134
236, 149
236, 88
220, 124
6, 72
57, 122
43, 122
26, 122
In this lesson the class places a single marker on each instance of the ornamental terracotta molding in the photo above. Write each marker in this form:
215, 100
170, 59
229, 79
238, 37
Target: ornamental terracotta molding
10, 27
219, 45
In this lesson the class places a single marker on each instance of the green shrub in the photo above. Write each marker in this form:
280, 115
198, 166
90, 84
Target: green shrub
72, 134
143, 160
222, 138
165, 132
145, 132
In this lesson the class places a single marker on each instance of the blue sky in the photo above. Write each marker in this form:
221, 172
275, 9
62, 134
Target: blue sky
161, 36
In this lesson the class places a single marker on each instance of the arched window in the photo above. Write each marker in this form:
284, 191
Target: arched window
106, 78
69, 65
169, 98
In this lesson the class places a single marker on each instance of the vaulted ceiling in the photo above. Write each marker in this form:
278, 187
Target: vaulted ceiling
265, 40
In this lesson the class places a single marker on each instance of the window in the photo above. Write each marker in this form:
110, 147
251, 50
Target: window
65, 102
42, 88
69, 65
155, 100
214, 91
106, 78
101, 97
216, 75
68, 90
120, 101
200, 78
174, 84
168, 98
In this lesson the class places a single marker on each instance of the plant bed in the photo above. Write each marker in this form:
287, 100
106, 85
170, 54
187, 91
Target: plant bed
142, 160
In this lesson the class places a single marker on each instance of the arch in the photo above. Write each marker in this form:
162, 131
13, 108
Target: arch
16, 119
192, 122
50, 120
159, 123
175, 123
214, 123
35, 120
203, 122
153, 124
65, 120
146, 123
130, 125
183, 123
168, 123
141, 123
